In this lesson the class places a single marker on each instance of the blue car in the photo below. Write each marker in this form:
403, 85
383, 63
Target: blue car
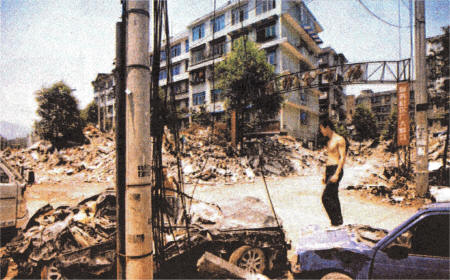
417, 249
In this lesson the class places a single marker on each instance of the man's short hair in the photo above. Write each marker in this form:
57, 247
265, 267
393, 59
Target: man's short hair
326, 122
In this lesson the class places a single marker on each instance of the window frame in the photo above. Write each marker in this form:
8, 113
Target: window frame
239, 14
176, 69
161, 75
218, 23
186, 45
409, 227
303, 121
273, 54
199, 98
175, 50
198, 32
263, 6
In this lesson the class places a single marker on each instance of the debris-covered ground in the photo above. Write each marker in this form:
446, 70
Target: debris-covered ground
208, 159
79, 241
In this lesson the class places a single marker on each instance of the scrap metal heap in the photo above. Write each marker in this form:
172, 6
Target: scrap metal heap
79, 241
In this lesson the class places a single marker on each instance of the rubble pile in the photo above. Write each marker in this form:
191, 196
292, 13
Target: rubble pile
209, 157
93, 162
204, 158
65, 239
79, 241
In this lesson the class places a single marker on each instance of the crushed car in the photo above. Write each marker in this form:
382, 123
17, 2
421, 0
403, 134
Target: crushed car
417, 249
79, 241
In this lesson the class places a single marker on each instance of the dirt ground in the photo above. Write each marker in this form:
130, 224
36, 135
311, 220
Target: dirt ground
296, 199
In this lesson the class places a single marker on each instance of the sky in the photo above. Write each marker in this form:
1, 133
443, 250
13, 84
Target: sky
45, 41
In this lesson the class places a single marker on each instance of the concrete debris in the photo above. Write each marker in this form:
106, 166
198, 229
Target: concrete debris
213, 267
67, 238
79, 241
207, 158
440, 194
93, 162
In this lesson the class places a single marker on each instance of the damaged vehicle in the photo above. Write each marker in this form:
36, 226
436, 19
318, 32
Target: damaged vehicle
13, 209
79, 241
242, 231
417, 249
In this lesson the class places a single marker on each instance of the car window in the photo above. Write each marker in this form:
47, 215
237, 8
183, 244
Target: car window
429, 237
4, 178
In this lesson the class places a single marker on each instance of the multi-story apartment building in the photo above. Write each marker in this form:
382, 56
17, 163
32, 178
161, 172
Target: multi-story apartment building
285, 30
332, 100
105, 99
179, 54
382, 104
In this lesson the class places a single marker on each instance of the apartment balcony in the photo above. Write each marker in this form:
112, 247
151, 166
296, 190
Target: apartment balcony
205, 57
309, 39
176, 78
181, 95
299, 53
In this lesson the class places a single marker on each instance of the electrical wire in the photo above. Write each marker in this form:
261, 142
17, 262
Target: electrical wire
378, 17
399, 32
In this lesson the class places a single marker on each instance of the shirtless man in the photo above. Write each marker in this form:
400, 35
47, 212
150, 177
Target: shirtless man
336, 152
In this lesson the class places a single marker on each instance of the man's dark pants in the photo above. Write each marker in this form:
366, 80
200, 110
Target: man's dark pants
330, 198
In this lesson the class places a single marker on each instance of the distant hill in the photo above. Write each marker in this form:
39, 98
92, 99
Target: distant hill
12, 131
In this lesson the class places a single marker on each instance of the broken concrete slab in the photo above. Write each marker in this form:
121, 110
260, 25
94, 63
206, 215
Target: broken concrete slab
213, 267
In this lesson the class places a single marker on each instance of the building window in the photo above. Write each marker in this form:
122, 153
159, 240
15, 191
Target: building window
218, 23
263, 6
303, 117
163, 55
219, 49
239, 14
179, 88
175, 50
198, 77
217, 95
176, 69
187, 45
266, 33
303, 97
198, 32
198, 56
271, 57
199, 98
162, 74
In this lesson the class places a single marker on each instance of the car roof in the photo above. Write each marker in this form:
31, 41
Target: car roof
437, 206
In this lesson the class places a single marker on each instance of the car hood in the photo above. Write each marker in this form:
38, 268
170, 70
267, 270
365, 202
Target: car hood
351, 237
348, 249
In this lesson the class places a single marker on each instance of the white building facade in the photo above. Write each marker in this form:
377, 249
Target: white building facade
285, 29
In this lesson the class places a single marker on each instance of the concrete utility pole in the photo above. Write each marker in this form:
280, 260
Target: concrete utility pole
120, 74
420, 90
138, 215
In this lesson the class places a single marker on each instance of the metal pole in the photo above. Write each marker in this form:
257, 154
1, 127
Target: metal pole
421, 101
138, 215
120, 76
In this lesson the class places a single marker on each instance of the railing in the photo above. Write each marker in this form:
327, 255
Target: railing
205, 56
357, 73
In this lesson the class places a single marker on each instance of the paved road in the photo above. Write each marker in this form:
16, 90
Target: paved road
297, 200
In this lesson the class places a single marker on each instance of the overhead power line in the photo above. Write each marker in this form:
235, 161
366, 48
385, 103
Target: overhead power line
379, 18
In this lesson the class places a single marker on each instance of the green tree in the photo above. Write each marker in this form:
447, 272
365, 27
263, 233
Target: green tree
90, 113
365, 124
60, 121
244, 75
